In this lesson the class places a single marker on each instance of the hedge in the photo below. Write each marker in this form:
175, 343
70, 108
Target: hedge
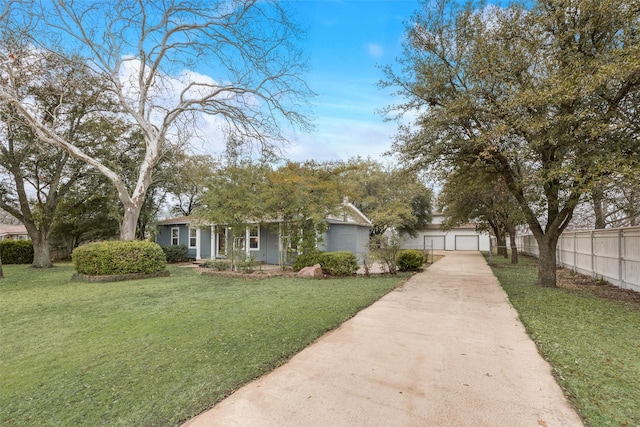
16, 251
341, 263
118, 257
410, 260
306, 259
175, 253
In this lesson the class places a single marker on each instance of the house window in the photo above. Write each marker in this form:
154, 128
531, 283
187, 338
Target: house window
254, 238
23, 237
193, 237
175, 236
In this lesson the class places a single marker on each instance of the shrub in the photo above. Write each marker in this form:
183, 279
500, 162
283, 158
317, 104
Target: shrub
307, 259
410, 260
175, 253
117, 257
385, 249
16, 251
339, 263
221, 265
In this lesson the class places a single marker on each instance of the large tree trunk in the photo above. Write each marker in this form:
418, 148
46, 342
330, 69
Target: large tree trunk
1, 271
547, 262
129, 222
514, 247
598, 207
501, 239
501, 242
41, 251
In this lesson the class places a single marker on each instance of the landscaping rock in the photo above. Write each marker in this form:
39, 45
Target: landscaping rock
313, 272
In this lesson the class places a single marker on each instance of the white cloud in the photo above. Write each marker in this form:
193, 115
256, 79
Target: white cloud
375, 50
341, 139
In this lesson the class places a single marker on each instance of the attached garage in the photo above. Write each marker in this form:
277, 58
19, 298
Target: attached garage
467, 243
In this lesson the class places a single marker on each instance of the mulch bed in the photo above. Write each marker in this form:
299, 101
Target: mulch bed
567, 279
256, 274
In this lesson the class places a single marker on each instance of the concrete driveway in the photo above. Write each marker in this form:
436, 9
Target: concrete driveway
445, 349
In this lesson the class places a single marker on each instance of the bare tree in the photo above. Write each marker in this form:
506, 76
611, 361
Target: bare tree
151, 58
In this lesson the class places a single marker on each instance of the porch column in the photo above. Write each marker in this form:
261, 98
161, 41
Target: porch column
198, 254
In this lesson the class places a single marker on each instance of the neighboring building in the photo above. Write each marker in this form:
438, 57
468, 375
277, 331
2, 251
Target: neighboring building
349, 232
13, 232
461, 238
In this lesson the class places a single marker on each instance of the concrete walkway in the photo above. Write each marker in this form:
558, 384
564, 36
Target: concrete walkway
445, 349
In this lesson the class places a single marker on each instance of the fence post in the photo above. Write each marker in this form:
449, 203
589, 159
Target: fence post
620, 259
432, 255
593, 255
575, 251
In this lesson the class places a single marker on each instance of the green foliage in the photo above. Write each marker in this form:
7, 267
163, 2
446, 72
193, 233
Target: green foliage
16, 251
543, 96
385, 249
307, 259
159, 352
175, 253
389, 197
340, 263
220, 265
410, 260
118, 257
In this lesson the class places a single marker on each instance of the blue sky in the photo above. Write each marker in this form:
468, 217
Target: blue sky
346, 41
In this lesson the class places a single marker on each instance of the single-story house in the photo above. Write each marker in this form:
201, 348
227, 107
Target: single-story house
13, 232
347, 232
462, 238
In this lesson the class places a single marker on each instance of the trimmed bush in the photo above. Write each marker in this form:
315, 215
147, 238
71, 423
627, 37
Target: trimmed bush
339, 263
333, 263
410, 260
307, 259
16, 251
117, 257
175, 253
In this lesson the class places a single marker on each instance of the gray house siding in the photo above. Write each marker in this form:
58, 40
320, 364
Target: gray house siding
268, 252
347, 237
349, 232
270, 245
163, 237
205, 242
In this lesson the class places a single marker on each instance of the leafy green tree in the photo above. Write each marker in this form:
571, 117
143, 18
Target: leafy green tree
235, 199
89, 212
301, 196
295, 197
38, 176
187, 181
390, 198
474, 195
542, 96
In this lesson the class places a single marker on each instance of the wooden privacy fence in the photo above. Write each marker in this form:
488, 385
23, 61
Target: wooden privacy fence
609, 254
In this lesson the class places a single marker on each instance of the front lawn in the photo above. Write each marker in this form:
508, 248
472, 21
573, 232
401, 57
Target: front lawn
590, 334
156, 351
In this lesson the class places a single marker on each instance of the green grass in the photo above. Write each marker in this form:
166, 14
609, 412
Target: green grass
157, 351
593, 344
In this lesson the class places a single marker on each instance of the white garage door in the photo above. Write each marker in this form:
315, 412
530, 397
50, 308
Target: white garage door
438, 242
467, 243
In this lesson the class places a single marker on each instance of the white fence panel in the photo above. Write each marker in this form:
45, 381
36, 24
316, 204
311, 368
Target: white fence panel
610, 254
